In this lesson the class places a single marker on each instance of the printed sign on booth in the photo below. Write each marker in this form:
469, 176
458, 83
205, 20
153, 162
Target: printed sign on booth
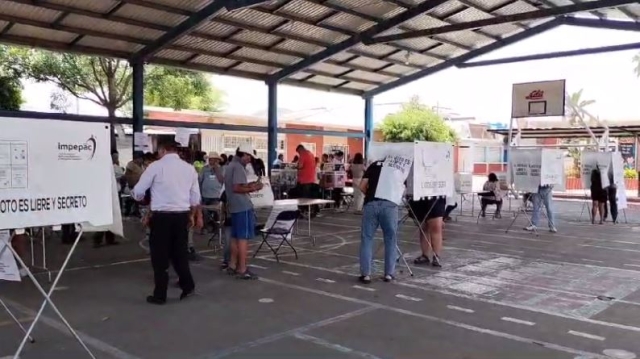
54, 172
433, 169
526, 165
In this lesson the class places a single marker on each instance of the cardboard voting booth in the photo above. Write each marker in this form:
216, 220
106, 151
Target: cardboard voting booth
433, 169
591, 160
463, 182
532, 168
53, 173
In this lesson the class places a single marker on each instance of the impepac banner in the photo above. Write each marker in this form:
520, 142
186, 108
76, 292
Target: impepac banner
433, 169
54, 172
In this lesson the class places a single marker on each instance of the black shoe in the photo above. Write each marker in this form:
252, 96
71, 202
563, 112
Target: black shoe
186, 294
365, 279
154, 300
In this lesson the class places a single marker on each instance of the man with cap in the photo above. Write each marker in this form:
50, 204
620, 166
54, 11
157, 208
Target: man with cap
239, 205
175, 207
211, 181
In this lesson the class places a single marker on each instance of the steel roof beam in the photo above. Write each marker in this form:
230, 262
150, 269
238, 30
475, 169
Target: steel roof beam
525, 34
356, 39
552, 55
182, 29
506, 19
601, 24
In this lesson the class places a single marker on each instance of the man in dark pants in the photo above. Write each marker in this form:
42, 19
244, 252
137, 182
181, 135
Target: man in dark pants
175, 208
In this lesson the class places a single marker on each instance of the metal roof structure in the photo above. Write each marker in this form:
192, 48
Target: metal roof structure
572, 132
311, 43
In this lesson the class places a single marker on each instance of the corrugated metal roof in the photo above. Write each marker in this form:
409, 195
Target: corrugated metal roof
258, 41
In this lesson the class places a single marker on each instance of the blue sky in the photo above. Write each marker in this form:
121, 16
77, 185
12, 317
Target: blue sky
483, 92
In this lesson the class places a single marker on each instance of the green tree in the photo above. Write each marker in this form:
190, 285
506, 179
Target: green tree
108, 83
181, 89
10, 75
576, 108
416, 121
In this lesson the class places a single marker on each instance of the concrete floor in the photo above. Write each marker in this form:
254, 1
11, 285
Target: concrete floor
574, 294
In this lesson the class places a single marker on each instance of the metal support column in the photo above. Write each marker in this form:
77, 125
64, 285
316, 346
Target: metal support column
138, 97
368, 124
272, 124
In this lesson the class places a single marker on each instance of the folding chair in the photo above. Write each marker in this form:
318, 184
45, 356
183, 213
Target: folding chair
491, 203
281, 229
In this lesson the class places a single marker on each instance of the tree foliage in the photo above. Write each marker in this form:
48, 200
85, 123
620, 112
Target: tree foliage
416, 121
10, 75
576, 108
181, 89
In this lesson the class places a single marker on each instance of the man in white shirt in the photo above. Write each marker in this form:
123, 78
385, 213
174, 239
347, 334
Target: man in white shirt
175, 207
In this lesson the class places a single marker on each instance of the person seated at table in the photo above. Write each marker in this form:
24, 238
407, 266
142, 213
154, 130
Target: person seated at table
491, 195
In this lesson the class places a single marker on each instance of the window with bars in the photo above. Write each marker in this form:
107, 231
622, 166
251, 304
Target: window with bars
233, 142
260, 143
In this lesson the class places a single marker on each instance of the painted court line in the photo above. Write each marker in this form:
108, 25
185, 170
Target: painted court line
336, 347
633, 265
490, 301
288, 333
460, 309
406, 297
469, 327
591, 260
586, 335
325, 280
518, 321
257, 266
290, 273
364, 288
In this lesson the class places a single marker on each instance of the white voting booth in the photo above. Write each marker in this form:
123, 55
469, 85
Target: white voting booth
52, 173
427, 168
607, 163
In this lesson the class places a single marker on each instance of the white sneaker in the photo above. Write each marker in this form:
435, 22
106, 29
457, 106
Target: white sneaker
23, 273
531, 228
553, 230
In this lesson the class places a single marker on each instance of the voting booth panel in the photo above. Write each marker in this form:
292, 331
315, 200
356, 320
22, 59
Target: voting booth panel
264, 197
116, 227
433, 169
397, 163
590, 160
54, 172
617, 164
463, 183
379, 151
532, 168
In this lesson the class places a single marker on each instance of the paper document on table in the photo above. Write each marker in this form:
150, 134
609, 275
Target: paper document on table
8, 266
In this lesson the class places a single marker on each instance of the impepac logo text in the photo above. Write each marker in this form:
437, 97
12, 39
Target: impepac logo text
77, 151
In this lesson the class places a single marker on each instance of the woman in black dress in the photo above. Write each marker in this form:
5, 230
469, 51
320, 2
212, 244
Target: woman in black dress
598, 196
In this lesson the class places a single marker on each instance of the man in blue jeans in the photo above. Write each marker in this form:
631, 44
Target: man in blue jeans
543, 197
239, 205
376, 213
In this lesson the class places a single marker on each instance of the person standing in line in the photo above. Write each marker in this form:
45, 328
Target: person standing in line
376, 213
175, 206
307, 177
211, 183
357, 171
543, 197
239, 205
